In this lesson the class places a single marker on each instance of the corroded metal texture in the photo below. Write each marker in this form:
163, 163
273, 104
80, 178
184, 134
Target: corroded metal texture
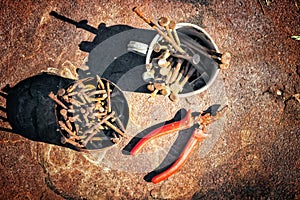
253, 151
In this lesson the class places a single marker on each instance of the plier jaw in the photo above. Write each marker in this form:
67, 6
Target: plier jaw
199, 134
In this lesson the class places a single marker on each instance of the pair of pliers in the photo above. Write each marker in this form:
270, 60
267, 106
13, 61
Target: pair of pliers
204, 119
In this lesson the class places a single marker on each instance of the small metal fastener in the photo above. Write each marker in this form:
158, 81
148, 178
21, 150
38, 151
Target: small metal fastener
96, 92
98, 99
100, 83
89, 87
75, 118
96, 127
157, 47
164, 71
169, 75
65, 140
163, 63
164, 89
119, 122
225, 59
176, 71
110, 125
164, 22
71, 111
99, 107
69, 125
72, 93
151, 87
64, 127
108, 97
61, 92
195, 59
64, 113
99, 114
54, 98
75, 102
115, 139
178, 86
155, 27
77, 83
166, 54
172, 26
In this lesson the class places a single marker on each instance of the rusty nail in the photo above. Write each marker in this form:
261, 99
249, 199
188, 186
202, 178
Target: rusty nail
61, 92
64, 127
157, 47
64, 113
166, 54
225, 59
115, 139
150, 87
96, 127
172, 26
163, 63
186, 78
169, 75
97, 139
71, 110
75, 102
97, 92
108, 97
100, 82
98, 99
75, 118
72, 94
65, 140
164, 71
77, 83
100, 114
120, 124
164, 22
54, 98
174, 97
178, 86
69, 125
155, 27
110, 125
89, 87
176, 70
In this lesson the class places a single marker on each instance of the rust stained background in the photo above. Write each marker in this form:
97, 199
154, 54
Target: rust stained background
257, 155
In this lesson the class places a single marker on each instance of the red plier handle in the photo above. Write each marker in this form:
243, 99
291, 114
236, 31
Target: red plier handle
185, 123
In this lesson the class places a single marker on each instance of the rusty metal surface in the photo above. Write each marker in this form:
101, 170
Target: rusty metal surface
257, 153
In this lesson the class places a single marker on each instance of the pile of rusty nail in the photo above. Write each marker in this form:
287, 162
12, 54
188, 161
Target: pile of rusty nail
176, 63
84, 112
